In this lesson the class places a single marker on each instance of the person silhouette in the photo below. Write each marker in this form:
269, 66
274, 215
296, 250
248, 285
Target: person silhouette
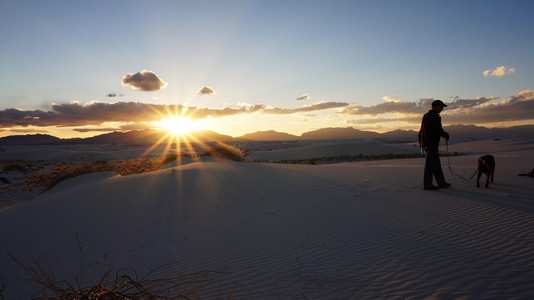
429, 136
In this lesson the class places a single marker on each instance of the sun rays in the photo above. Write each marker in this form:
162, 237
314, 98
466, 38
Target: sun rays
179, 134
177, 125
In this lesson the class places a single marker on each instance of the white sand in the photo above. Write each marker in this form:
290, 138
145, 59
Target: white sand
274, 152
342, 231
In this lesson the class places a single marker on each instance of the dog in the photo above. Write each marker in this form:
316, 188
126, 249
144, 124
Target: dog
486, 165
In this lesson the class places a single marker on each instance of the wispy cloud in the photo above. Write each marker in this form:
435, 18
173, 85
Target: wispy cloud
126, 127
113, 95
374, 121
146, 81
392, 99
99, 129
498, 72
307, 108
304, 97
206, 91
388, 107
29, 130
136, 126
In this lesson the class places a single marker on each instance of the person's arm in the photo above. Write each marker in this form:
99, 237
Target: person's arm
443, 133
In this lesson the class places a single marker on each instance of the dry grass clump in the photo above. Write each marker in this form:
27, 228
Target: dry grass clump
221, 150
46, 178
123, 284
170, 157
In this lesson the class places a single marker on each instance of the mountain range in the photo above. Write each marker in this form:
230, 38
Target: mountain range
151, 136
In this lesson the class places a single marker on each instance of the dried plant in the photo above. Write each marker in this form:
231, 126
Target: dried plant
123, 284
226, 151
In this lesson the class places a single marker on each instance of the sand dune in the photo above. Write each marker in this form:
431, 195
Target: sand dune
341, 231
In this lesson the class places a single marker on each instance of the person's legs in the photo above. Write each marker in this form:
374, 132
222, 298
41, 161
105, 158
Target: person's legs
433, 169
438, 172
430, 165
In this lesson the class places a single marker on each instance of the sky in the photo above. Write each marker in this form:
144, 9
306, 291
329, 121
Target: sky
83, 68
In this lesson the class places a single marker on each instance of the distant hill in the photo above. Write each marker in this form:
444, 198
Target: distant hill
131, 137
400, 135
480, 131
339, 134
139, 137
455, 131
206, 136
151, 136
269, 135
33, 139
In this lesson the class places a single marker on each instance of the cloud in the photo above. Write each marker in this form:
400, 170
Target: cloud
136, 126
12, 117
498, 72
127, 127
478, 111
74, 114
392, 99
99, 129
308, 108
206, 91
136, 115
457, 103
516, 108
29, 130
146, 81
373, 121
388, 107
397, 106
112, 95
304, 97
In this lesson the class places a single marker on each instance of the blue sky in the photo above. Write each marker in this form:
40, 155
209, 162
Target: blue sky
351, 58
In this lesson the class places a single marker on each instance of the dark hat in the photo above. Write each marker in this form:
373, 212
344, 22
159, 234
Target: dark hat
438, 103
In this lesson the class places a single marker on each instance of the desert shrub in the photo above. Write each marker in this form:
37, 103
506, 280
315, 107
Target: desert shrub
58, 177
226, 151
169, 158
123, 284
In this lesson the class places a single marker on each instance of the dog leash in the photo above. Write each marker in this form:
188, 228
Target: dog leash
449, 162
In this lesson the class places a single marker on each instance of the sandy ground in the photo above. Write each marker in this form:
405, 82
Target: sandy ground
282, 231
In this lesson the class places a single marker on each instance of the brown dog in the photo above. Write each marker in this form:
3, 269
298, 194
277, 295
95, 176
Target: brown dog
486, 165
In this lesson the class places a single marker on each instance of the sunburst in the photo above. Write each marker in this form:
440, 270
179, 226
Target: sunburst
181, 135
178, 126
178, 134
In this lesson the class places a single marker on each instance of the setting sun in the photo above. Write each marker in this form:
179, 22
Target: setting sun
177, 125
